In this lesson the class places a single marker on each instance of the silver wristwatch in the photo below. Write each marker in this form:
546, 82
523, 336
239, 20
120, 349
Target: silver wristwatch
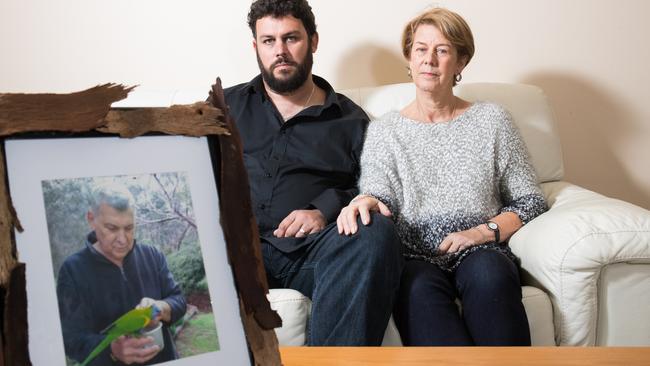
492, 226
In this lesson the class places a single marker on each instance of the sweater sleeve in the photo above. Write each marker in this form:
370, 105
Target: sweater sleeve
517, 181
378, 167
171, 291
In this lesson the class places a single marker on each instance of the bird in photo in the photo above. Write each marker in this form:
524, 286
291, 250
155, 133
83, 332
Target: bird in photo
127, 324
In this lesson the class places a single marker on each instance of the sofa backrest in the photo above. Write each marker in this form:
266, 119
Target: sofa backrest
528, 105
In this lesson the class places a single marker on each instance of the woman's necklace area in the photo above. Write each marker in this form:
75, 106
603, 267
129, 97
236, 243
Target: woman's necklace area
425, 115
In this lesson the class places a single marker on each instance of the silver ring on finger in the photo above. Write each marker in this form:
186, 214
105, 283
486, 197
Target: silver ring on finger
302, 231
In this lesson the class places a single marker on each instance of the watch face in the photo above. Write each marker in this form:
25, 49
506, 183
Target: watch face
492, 226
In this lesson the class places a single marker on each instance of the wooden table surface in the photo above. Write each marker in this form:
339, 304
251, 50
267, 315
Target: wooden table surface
501, 356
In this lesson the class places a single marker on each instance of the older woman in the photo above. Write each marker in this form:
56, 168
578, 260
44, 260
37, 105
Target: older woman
456, 178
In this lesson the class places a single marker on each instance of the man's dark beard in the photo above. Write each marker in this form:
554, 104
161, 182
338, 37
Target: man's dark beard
295, 81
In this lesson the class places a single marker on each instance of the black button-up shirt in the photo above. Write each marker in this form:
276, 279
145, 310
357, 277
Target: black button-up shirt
311, 161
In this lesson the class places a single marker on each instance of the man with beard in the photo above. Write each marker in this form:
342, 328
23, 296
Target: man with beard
302, 143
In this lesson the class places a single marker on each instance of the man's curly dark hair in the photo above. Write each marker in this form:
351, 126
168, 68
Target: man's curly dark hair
299, 9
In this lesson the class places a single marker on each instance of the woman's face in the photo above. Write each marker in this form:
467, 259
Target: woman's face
434, 61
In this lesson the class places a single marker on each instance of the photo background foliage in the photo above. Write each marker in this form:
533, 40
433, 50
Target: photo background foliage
164, 219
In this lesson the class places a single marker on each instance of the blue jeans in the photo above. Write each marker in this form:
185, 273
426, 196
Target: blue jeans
487, 284
351, 280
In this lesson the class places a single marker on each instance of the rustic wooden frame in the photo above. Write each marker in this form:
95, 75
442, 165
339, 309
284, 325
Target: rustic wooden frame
89, 111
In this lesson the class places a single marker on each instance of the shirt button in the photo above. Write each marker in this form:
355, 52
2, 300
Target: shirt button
261, 206
268, 175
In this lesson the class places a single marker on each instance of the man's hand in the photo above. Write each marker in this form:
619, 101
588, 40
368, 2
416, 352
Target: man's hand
131, 350
460, 240
300, 223
362, 205
165, 310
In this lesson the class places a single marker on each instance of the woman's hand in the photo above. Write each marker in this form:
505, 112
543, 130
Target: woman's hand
455, 242
509, 223
361, 205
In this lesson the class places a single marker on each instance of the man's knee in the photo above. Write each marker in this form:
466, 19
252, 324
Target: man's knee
380, 244
380, 228
380, 235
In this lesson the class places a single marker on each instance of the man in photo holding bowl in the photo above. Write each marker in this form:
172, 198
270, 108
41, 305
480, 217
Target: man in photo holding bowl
111, 275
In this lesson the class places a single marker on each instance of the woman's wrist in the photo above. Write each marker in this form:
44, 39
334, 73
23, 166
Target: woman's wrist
485, 237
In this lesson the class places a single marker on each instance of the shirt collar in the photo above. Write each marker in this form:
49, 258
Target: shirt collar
256, 86
91, 239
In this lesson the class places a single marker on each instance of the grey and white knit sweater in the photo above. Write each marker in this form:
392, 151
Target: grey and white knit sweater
440, 178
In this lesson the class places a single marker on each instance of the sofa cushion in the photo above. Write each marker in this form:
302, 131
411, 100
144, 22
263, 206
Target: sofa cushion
540, 316
294, 309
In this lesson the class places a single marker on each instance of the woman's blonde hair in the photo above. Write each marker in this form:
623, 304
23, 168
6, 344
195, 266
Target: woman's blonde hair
450, 24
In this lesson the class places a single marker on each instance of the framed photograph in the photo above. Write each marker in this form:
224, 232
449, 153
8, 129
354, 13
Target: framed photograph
111, 225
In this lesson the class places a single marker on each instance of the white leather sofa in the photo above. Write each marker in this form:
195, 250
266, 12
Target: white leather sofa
586, 261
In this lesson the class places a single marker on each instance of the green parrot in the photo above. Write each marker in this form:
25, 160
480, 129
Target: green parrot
129, 323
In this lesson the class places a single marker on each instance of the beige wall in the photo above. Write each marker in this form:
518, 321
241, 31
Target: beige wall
591, 57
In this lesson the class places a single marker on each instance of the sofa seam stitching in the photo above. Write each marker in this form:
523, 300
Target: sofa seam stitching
562, 305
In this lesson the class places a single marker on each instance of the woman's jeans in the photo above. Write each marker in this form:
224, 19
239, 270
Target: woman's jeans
487, 285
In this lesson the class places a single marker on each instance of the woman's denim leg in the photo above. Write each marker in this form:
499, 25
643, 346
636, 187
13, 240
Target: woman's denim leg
490, 291
426, 313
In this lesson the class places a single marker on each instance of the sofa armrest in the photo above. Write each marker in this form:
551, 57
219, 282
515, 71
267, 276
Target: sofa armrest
564, 250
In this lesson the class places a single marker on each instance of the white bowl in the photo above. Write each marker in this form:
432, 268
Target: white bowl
155, 333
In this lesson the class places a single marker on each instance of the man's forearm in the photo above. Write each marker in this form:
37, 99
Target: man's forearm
177, 307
